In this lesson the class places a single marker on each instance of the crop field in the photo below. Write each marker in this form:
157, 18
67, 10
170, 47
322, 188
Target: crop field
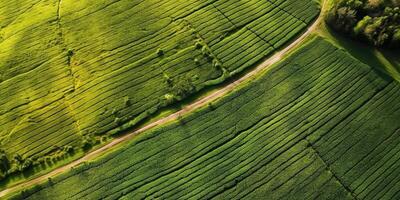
72, 71
318, 125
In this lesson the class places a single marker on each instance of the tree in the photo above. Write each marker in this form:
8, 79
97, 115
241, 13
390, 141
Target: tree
396, 37
362, 24
4, 164
28, 163
342, 19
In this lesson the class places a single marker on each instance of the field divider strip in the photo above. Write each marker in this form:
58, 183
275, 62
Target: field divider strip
329, 169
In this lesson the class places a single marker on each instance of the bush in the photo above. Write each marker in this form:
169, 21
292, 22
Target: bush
27, 164
183, 88
4, 163
197, 61
160, 52
86, 144
211, 106
68, 149
198, 45
70, 53
127, 101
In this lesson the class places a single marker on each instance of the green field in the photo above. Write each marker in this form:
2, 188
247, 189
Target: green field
72, 71
222, 99
318, 125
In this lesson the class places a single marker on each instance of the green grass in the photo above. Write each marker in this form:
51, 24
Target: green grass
74, 71
320, 124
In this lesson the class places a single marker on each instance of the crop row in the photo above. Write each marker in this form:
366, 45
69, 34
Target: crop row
319, 125
83, 70
122, 80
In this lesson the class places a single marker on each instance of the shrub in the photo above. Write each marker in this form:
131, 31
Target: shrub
168, 79
211, 106
160, 52
197, 61
86, 145
68, 149
70, 53
169, 99
198, 45
127, 101
4, 162
118, 121
26, 165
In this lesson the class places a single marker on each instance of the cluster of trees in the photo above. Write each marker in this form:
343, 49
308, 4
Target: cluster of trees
180, 88
374, 21
88, 141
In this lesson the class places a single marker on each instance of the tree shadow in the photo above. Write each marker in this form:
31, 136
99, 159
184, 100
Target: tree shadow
361, 51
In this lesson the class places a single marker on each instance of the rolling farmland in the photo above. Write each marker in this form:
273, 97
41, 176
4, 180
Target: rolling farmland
318, 125
80, 70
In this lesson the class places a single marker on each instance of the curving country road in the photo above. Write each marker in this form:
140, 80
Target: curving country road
187, 109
